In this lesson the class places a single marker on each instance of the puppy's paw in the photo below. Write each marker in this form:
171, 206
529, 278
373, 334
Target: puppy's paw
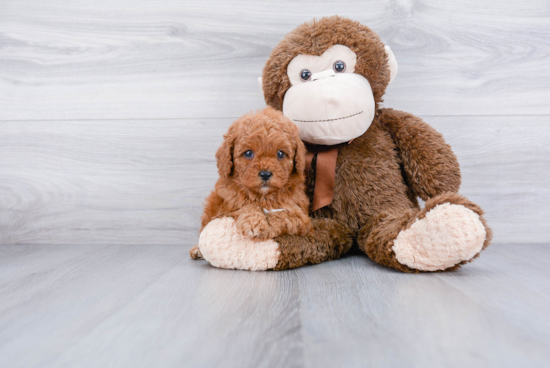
254, 226
195, 252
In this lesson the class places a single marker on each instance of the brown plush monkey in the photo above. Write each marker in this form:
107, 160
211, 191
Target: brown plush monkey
368, 164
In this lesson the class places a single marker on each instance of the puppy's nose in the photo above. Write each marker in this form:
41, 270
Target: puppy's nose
265, 175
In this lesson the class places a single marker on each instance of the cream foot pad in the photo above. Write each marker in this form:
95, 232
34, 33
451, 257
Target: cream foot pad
448, 235
223, 246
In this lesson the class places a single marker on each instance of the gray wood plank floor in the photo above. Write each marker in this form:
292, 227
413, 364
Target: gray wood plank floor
151, 306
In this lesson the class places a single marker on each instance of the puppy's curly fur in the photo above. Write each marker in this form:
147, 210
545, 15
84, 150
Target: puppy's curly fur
261, 142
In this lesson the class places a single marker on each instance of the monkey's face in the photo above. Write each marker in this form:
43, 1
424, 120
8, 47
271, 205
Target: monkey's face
327, 100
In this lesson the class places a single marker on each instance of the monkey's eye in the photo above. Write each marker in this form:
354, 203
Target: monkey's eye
339, 66
280, 155
305, 75
248, 154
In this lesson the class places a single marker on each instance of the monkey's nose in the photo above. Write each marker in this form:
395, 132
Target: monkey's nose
265, 175
324, 74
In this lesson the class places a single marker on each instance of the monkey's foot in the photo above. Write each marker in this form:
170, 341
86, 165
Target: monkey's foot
448, 235
222, 245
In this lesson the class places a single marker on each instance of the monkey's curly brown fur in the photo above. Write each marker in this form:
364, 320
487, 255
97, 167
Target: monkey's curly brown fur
241, 193
380, 174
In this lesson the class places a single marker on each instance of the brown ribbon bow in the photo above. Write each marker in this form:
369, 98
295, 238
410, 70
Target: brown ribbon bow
325, 173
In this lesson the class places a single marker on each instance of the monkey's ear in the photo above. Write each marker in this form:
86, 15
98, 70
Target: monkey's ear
392, 63
224, 156
261, 85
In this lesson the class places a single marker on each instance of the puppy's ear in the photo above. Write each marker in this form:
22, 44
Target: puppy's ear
224, 155
299, 156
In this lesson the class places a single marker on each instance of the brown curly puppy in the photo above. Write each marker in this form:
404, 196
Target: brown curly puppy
261, 165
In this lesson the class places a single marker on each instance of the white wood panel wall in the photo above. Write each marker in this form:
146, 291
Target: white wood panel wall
111, 111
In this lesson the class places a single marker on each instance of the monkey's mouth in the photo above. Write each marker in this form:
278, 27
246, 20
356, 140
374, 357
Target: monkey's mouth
322, 121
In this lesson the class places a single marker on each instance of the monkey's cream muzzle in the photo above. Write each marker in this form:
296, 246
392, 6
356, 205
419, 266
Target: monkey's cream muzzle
331, 108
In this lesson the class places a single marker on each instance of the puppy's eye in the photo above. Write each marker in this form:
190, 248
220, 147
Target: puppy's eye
339, 66
305, 75
280, 155
248, 154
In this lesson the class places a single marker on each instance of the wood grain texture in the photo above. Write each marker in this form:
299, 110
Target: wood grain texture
143, 306
110, 112
362, 314
106, 181
148, 59
144, 182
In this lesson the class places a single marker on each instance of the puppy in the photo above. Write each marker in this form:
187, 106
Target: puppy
261, 164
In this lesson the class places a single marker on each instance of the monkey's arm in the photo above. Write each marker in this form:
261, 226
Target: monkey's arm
430, 166
327, 240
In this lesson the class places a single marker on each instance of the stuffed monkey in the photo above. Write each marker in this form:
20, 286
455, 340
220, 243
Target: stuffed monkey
367, 165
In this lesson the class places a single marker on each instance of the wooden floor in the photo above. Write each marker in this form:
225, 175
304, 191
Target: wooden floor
151, 306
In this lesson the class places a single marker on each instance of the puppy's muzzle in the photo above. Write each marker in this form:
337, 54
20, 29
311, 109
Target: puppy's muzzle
265, 175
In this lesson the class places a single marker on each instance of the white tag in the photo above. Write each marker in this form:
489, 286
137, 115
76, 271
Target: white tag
275, 210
